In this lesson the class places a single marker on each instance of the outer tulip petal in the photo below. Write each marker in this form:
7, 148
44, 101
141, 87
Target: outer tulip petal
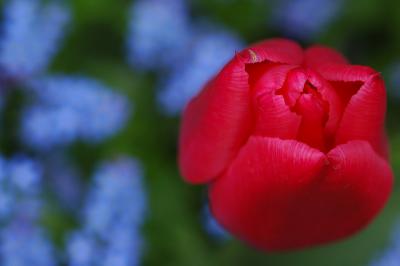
346, 73
280, 195
318, 55
217, 122
357, 186
255, 197
363, 118
277, 51
274, 50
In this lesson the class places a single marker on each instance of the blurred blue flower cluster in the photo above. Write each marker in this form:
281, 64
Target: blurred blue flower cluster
62, 108
391, 256
68, 108
305, 19
59, 110
22, 240
30, 36
158, 32
114, 213
26, 244
208, 52
20, 187
186, 53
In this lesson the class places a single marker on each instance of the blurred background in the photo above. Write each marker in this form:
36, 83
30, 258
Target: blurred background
90, 97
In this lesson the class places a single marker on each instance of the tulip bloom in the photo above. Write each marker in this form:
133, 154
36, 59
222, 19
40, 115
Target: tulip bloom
291, 143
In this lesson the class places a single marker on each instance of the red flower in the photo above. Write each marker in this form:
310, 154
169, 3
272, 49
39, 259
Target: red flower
292, 144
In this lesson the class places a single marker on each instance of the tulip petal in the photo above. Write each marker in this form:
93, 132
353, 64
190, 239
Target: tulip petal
361, 179
281, 194
318, 55
214, 125
274, 50
255, 196
217, 122
363, 93
301, 81
273, 116
259, 56
335, 105
313, 120
275, 119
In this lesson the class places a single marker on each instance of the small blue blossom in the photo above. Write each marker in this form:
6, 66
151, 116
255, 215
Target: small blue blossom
6, 199
23, 244
212, 227
116, 186
305, 19
46, 127
207, 53
70, 109
31, 34
115, 210
391, 256
158, 31
20, 179
6, 202
123, 242
82, 250
5, 195
25, 175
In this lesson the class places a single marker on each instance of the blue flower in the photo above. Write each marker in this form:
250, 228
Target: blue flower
120, 247
158, 31
20, 185
24, 175
161, 36
69, 109
23, 244
82, 250
117, 193
114, 212
45, 127
305, 19
207, 53
212, 227
31, 34
5, 195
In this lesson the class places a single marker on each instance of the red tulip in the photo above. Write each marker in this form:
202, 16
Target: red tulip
292, 144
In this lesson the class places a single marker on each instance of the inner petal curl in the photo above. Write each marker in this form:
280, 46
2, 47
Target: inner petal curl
312, 109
